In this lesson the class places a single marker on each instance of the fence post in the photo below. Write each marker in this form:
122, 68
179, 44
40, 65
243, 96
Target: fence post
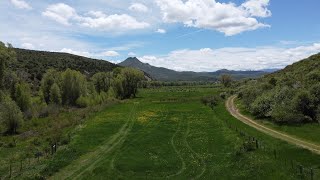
301, 170
20, 165
257, 144
10, 171
311, 173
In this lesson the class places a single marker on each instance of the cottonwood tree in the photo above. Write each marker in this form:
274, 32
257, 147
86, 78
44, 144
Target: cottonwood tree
7, 55
102, 81
73, 85
126, 82
49, 78
226, 80
23, 96
55, 94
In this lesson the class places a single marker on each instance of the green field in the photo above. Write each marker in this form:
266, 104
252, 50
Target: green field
166, 133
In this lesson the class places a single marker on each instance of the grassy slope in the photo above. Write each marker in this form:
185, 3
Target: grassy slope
172, 135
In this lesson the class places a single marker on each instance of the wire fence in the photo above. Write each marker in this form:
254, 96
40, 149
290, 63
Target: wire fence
297, 169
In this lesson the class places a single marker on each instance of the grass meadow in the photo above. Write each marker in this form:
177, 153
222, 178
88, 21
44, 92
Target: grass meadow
167, 133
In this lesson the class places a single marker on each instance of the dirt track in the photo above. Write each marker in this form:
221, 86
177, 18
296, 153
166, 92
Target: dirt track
276, 134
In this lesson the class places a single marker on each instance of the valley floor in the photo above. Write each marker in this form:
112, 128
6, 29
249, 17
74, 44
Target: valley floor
166, 133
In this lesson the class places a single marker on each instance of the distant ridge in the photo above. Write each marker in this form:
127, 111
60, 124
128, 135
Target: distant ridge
164, 74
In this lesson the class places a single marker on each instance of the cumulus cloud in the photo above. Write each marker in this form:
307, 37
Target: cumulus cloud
161, 31
257, 8
80, 53
27, 46
208, 59
227, 18
131, 54
110, 54
60, 12
21, 4
138, 7
91, 54
66, 15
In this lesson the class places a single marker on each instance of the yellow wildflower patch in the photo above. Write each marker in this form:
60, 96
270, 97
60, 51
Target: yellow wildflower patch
146, 116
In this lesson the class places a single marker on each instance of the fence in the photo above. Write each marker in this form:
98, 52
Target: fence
296, 168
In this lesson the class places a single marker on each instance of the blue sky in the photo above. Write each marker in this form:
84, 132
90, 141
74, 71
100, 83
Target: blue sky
197, 35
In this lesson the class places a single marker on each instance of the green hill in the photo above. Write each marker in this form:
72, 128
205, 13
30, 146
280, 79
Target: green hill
291, 95
32, 65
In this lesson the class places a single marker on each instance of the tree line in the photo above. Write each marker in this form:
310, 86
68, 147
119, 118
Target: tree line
57, 88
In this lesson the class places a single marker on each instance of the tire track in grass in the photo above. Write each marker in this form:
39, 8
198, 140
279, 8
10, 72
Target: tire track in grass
90, 160
183, 164
141, 136
200, 159
185, 150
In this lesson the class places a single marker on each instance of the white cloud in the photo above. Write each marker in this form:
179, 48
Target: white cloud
80, 53
90, 54
27, 46
110, 54
21, 4
113, 22
138, 7
232, 58
257, 8
67, 15
131, 54
227, 18
61, 13
161, 31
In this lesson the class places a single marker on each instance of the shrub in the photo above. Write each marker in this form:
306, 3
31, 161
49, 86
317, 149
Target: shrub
302, 102
223, 95
82, 102
210, 101
262, 106
10, 115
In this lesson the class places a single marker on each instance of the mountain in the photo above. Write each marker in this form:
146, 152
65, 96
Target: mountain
164, 74
32, 64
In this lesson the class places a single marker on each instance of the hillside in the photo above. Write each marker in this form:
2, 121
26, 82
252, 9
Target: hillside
164, 74
32, 65
291, 95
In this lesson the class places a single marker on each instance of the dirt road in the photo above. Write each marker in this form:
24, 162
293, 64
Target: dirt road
276, 134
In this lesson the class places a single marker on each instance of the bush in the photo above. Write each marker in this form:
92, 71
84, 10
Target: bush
302, 102
223, 95
10, 115
262, 106
83, 102
210, 101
